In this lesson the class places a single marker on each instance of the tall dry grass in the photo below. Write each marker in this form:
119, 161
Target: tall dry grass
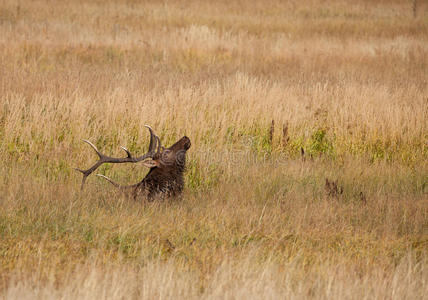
349, 79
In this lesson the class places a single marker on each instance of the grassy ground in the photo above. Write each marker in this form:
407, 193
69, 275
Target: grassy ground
349, 81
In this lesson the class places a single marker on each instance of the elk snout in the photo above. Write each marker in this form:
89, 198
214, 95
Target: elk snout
186, 142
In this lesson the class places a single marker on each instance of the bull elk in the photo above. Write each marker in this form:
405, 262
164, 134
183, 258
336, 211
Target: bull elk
165, 177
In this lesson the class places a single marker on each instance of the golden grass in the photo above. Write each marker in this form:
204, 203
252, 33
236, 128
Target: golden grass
255, 221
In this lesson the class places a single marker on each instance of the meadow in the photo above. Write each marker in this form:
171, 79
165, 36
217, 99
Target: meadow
346, 81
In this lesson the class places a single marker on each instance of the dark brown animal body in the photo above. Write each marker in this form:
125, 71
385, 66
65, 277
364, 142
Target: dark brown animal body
166, 177
167, 165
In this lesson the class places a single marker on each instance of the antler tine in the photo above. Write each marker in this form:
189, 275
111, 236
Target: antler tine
109, 180
94, 147
127, 151
153, 140
83, 179
88, 172
159, 144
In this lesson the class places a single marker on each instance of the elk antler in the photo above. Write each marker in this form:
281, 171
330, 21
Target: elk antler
154, 141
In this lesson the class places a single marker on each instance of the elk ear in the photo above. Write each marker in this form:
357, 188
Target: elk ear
151, 163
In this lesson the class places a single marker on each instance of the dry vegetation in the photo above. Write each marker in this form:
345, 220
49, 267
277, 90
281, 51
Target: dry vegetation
350, 80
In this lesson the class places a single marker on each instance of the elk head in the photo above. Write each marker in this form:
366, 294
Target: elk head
167, 165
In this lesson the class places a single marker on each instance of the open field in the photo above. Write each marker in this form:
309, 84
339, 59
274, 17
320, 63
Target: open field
349, 81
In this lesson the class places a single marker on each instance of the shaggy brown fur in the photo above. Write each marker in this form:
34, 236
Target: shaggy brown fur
166, 177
